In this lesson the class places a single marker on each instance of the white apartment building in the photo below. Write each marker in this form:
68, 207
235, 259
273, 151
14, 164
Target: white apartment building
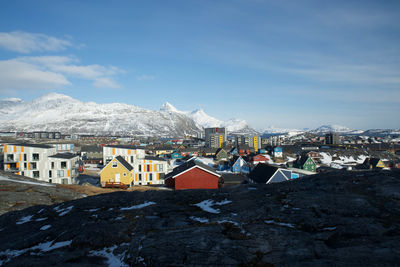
146, 169
40, 162
63, 168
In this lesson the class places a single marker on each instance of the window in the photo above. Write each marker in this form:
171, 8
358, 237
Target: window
64, 181
33, 165
10, 158
25, 165
131, 159
25, 158
50, 174
159, 167
148, 168
35, 156
60, 173
140, 167
36, 174
151, 177
63, 164
52, 164
124, 174
50, 180
140, 176
114, 164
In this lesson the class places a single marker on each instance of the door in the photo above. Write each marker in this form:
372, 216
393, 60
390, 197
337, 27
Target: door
117, 178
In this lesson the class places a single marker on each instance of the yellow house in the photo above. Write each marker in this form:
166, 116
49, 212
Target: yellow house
118, 170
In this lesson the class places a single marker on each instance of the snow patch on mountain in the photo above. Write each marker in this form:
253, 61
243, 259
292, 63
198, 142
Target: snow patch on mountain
332, 128
203, 120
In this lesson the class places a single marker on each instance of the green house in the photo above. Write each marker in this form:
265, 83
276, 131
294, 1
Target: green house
305, 163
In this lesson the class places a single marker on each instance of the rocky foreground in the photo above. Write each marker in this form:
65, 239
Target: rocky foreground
340, 218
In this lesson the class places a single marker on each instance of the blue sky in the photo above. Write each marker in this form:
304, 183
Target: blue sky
290, 64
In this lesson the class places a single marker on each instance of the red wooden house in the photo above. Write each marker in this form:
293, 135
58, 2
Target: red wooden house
192, 175
259, 159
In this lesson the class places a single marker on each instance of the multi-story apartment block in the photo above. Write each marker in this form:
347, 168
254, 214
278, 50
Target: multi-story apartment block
332, 138
63, 168
251, 141
215, 137
129, 153
146, 169
40, 162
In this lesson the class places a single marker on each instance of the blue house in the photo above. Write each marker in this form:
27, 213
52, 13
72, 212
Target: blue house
239, 165
234, 151
176, 155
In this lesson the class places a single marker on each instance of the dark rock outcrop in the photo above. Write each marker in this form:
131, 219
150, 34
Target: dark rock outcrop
340, 218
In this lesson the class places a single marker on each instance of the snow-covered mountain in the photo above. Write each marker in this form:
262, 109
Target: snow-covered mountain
57, 112
204, 120
332, 128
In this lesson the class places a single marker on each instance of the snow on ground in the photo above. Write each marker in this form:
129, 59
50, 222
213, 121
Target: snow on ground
45, 227
2, 178
145, 204
198, 219
206, 205
25, 219
327, 159
279, 223
62, 212
41, 219
108, 253
7, 255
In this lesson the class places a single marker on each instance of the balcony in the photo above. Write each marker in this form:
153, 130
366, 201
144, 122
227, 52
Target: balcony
11, 167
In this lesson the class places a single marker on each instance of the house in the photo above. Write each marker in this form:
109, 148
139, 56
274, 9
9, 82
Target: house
117, 171
147, 170
30, 160
239, 165
176, 155
63, 168
266, 174
191, 151
221, 154
208, 152
234, 151
373, 163
192, 175
305, 163
164, 150
259, 159
277, 152
315, 156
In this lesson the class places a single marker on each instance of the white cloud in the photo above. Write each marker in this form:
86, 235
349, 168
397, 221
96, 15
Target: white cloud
49, 72
24, 42
105, 83
145, 77
17, 75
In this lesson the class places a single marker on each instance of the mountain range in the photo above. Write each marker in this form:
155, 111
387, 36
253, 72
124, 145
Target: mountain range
58, 112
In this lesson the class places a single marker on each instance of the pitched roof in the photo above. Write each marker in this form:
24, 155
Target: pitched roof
231, 178
188, 165
154, 158
64, 156
32, 145
262, 172
124, 163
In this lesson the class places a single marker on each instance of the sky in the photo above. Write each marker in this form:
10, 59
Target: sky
287, 64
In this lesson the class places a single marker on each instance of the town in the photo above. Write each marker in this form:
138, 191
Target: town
210, 160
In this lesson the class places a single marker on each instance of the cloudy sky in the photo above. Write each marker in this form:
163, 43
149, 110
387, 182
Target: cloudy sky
290, 64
